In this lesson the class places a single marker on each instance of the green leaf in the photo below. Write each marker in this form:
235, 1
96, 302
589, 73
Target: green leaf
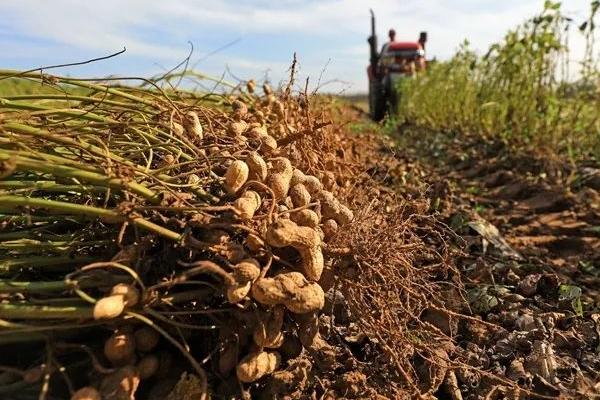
577, 307
481, 302
550, 5
571, 293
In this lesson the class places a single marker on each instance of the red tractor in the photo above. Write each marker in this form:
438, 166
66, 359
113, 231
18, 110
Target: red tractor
395, 61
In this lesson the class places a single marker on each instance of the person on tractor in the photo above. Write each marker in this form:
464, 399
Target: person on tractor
392, 36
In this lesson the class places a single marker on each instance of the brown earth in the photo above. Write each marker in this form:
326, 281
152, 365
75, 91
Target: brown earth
541, 283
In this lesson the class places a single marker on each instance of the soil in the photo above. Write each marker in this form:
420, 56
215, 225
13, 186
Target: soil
536, 277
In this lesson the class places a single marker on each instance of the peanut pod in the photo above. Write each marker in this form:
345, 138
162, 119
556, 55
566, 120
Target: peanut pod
304, 239
290, 289
256, 365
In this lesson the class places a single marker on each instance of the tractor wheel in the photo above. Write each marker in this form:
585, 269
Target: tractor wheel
392, 102
391, 98
376, 101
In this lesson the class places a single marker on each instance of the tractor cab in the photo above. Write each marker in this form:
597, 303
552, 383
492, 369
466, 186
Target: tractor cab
396, 61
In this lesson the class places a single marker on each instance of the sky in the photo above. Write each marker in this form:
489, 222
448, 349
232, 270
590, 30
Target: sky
246, 39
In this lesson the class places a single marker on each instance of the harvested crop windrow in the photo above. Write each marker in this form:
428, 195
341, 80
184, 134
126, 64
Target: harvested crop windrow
138, 222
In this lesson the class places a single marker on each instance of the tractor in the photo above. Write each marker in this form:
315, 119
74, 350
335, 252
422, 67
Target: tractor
395, 61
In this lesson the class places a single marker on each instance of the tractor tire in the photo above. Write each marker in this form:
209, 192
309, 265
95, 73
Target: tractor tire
391, 98
376, 101
392, 102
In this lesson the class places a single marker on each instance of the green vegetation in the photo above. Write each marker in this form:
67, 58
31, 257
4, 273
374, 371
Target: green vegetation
521, 91
17, 86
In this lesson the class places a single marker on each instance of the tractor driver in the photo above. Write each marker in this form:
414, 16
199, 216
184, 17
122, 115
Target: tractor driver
392, 36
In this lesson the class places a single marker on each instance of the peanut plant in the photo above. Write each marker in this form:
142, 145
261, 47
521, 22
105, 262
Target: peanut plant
526, 90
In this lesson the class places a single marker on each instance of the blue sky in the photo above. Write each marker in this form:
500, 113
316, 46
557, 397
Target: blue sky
329, 36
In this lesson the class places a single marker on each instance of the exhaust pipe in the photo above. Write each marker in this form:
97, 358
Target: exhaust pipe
423, 39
